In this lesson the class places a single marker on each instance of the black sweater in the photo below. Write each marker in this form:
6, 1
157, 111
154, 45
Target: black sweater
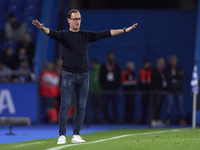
174, 81
110, 85
75, 54
157, 80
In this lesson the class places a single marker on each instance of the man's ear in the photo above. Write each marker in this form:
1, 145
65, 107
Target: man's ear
68, 20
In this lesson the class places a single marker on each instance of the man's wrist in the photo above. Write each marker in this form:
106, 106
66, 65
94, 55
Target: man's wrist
124, 30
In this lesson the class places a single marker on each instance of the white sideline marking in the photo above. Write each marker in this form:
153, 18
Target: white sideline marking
190, 139
22, 145
112, 138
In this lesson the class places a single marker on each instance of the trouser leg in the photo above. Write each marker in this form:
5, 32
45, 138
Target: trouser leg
106, 99
81, 91
67, 91
115, 101
129, 108
145, 104
170, 103
158, 107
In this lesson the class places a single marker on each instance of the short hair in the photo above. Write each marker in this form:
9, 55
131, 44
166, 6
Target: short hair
72, 11
110, 52
172, 57
8, 47
146, 60
95, 61
22, 47
160, 58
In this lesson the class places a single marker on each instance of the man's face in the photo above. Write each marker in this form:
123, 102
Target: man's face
111, 57
147, 64
130, 66
9, 51
12, 19
92, 64
27, 37
161, 63
75, 21
23, 64
1, 66
22, 51
173, 61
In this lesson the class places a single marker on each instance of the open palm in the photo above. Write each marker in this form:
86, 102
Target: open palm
131, 27
37, 24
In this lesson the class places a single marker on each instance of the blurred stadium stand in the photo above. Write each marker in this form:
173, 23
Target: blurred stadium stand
25, 11
12, 44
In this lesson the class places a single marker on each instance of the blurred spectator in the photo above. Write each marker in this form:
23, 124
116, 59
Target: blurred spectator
129, 85
59, 66
174, 75
5, 72
158, 85
50, 90
9, 58
24, 72
22, 55
29, 46
110, 80
94, 88
59, 72
12, 29
1, 48
145, 86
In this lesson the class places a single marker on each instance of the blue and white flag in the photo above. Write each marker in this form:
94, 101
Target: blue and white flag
194, 81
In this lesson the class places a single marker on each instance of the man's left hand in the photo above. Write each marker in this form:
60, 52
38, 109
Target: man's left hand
131, 27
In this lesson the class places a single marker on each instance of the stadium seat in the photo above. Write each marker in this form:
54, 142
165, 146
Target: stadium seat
30, 28
19, 3
31, 10
36, 2
34, 34
4, 3
2, 15
28, 21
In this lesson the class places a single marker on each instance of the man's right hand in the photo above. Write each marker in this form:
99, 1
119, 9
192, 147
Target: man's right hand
40, 26
37, 24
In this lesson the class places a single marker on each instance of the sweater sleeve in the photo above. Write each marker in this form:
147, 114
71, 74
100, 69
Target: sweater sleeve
56, 35
95, 36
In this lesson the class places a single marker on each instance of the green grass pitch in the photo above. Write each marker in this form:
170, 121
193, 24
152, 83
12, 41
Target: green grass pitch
130, 139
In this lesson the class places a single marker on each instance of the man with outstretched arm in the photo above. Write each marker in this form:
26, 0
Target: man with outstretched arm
75, 76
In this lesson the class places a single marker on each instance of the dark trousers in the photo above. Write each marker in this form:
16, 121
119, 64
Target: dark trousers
129, 108
175, 97
78, 83
157, 103
113, 99
145, 98
96, 103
